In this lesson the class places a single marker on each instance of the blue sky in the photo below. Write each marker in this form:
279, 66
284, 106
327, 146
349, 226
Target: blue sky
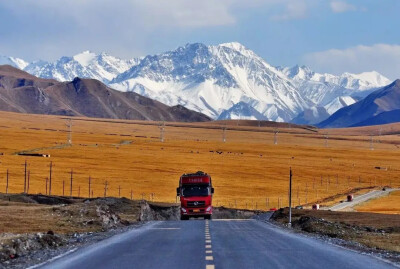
328, 35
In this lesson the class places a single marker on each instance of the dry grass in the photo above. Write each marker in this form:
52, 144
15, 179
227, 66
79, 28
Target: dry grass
387, 205
370, 229
249, 170
22, 214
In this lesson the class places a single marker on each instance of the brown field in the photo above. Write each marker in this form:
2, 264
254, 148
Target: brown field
249, 172
387, 205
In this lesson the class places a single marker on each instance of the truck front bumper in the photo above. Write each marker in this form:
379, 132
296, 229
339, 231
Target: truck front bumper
194, 211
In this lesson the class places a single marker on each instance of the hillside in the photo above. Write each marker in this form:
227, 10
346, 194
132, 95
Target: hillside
22, 92
368, 110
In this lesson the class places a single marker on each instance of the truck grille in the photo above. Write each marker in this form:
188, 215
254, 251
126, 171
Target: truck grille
196, 203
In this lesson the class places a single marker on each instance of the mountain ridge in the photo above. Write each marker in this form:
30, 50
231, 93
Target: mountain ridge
384, 100
213, 79
22, 92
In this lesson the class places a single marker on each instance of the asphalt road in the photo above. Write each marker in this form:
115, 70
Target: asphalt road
361, 199
213, 244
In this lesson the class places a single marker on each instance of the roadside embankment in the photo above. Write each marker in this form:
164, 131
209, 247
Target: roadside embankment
43, 224
367, 232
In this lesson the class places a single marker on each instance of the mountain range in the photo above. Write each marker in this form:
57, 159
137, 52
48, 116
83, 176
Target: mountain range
380, 107
25, 93
226, 81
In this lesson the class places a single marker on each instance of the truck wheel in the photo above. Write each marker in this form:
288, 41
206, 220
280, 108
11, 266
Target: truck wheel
184, 217
207, 217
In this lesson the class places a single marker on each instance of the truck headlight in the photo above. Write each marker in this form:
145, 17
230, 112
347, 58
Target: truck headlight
209, 208
183, 210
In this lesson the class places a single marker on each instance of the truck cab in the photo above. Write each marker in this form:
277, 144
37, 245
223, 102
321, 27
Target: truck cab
195, 191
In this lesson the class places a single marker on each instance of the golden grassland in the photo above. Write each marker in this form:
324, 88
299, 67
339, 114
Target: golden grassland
249, 171
389, 204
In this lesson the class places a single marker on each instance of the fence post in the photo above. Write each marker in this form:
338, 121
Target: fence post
105, 189
119, 191
7, 183
63, 188
25, 176
29, 176
90, 179
70, 187
131, 194
50, 172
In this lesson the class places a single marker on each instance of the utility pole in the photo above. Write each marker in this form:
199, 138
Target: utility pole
326, 140
63, 188
290, 198
47, 183
371, 143
224, 134
119, 191
276, 136
162, 128
69, 126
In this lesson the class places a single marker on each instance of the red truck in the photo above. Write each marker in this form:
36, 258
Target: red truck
195, 192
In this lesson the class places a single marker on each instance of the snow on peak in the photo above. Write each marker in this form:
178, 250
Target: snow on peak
226, 78
338, 103
87, 64
16, 62
298, 72
234, 45
85, 58
372, 78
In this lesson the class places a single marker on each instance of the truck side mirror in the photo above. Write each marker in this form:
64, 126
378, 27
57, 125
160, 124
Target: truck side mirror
178, 191
212, 190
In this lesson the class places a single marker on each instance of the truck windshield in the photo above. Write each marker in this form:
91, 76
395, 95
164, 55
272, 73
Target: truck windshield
195, 190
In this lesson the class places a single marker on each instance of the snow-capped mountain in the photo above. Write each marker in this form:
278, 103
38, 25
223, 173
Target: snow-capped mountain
227, 81
241, 111
323, 88
16, 62
212, 79
103, 67
338, 103
317, 114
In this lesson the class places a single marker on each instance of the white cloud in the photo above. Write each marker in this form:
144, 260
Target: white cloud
383, 58
342, 6
293, 10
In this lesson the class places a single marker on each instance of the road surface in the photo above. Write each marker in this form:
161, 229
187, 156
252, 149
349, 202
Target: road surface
213, 244
361, 199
